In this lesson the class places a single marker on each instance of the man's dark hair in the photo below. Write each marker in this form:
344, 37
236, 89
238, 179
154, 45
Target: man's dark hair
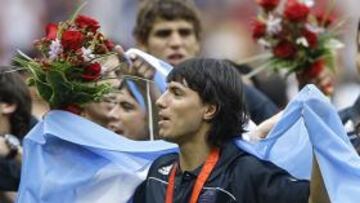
170, 10
13, 90
218, 83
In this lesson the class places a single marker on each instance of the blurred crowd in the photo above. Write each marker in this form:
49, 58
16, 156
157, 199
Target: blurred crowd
226, 21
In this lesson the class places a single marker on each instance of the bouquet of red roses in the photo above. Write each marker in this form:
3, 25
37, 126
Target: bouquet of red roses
300, 40
69, 71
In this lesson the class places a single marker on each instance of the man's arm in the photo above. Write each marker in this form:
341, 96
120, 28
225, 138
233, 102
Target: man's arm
263, 129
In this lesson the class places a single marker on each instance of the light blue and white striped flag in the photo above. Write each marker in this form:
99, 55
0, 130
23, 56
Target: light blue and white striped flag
70, 159
310, 125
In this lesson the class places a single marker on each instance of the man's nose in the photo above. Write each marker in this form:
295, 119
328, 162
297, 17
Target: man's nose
114, 113
160, 102
175, 40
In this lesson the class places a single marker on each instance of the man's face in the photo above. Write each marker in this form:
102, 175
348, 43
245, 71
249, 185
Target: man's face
127, 117
181, 113
172, 41
98, 111
6, 110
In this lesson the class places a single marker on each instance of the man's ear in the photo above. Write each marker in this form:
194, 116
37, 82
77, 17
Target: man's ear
142, 46
7, 108
210, 112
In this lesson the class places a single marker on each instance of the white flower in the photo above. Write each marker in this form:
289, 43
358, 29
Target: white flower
104, 70
55, 49
264, 43
335, 44
314, 28
302, 41
87, 54
308, 3
273, 25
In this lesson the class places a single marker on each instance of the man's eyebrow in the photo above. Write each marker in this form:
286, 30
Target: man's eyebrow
163, 30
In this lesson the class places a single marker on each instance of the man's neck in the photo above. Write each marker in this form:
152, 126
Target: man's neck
4, 126
194, 153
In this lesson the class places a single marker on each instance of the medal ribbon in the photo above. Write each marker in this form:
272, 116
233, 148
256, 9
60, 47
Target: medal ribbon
205, 172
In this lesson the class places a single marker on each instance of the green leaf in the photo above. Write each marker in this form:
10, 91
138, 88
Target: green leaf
76, 13
44, 90
61, 89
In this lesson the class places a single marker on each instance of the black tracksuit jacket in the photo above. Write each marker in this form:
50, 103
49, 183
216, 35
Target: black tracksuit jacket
237, 177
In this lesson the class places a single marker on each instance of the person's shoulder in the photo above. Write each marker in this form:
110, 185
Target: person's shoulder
248, 161
162, 165
253, 165
166, 159
272, 183
253, 170
240, 160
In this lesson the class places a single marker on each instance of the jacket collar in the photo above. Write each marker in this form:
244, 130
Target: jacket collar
228, 153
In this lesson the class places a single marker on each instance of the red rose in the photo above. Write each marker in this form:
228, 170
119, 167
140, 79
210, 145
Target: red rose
258, 29
268, 4
310, 37
324, 19
87, 23
109, 44
315, 69
285, 50
296, 12
91, 72
72, 40
51, 31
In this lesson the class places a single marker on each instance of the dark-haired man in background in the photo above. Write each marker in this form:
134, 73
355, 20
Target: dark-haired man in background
15, 122
171, 31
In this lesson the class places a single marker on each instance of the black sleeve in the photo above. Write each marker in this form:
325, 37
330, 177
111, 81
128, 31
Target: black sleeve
259, 106
139, 195
9, 175
351, 113
267, 183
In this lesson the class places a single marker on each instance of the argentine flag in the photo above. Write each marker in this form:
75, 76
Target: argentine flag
310, 125
70, 159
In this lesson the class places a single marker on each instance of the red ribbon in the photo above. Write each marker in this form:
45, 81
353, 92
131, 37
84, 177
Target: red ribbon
205, 172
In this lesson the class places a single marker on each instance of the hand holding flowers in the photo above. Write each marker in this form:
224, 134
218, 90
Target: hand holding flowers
70, 71
299, 40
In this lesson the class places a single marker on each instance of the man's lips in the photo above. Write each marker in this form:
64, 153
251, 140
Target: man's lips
116, 129
163, 119
176, 56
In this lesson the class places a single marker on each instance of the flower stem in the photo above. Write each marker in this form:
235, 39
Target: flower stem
257, 70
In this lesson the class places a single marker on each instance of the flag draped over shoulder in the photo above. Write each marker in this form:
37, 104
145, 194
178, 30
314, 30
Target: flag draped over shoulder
310, 125
70, 159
